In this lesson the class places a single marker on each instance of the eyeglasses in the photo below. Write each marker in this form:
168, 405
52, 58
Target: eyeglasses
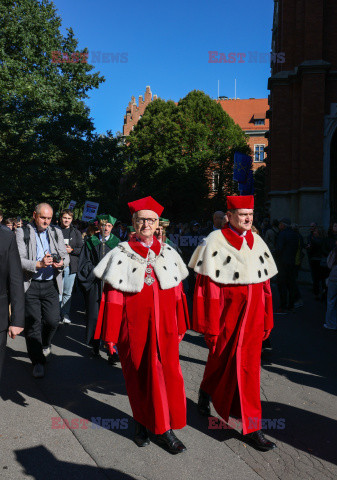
150, 221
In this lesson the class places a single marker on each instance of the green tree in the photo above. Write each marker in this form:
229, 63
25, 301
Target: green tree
46, 133
106, 172
214, 137
174, 150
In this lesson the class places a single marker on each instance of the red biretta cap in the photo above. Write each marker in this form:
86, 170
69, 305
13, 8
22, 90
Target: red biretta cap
240, 201
146, 203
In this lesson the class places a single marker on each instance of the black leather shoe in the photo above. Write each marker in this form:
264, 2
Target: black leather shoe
141, 436
203, 403
259, 441
171, 442
113, 359
94, 353
266, 345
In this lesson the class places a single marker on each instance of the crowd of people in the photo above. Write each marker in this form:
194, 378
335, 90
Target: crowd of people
134, 280
291, 250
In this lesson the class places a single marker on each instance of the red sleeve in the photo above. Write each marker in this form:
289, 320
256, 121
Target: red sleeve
206, 308
183, 318
110, 315
268, 309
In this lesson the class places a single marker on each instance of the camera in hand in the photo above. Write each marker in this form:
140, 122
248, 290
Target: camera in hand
56, 257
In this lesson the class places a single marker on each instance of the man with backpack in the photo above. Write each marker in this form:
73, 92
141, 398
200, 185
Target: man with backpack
43, 257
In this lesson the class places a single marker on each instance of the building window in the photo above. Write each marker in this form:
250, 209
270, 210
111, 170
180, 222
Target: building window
258, 153
215, 181
259, 121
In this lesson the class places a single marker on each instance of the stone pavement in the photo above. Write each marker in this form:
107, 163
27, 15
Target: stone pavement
298, 383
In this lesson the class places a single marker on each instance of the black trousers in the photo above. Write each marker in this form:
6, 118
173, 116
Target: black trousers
42, 315
297, 293
287, 285
3, 339
315, 267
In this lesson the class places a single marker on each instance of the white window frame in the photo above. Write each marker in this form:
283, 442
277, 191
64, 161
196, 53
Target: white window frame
255, 149
215, 187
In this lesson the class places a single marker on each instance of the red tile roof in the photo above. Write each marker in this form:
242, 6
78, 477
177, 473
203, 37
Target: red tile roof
243, 112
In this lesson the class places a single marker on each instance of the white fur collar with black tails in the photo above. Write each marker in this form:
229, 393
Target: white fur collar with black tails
124, 269
223, 263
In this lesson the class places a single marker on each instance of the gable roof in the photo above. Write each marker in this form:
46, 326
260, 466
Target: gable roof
243, 112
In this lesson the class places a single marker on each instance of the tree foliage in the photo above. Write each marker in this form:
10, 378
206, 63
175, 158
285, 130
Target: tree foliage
46, 133
106, 172
173, 150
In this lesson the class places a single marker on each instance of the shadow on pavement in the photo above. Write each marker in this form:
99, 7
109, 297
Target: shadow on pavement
68, 384
303, 430
303, 351
39, 463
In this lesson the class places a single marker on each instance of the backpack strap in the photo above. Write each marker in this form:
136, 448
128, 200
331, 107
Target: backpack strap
26, 237
55, 232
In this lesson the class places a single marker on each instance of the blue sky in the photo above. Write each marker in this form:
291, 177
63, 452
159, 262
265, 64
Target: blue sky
167, 45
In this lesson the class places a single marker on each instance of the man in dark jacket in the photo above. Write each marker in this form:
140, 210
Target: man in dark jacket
94, 249
74, 243
219, 219
286, 250
11, 290
271, 236
314, 246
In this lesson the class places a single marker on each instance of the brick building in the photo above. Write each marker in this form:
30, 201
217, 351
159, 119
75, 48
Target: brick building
302, 155
134, 112
250, 114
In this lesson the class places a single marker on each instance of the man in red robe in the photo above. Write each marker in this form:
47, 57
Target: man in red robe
233, 307
144, 312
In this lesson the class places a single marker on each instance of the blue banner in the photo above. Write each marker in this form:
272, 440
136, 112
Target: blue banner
247, 188
242, 167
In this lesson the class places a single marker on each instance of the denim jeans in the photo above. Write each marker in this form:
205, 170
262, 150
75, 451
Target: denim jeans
68, 283
331, 311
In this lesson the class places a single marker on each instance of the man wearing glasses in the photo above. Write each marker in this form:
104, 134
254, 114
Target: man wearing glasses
144, 312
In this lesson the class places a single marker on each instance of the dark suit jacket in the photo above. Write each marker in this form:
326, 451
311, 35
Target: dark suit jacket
11, 281
76, 243
287, 244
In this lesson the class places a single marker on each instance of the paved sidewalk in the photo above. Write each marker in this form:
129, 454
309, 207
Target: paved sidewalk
298, 385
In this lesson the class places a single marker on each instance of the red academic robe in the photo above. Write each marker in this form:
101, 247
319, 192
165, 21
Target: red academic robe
238, 314
145, 326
